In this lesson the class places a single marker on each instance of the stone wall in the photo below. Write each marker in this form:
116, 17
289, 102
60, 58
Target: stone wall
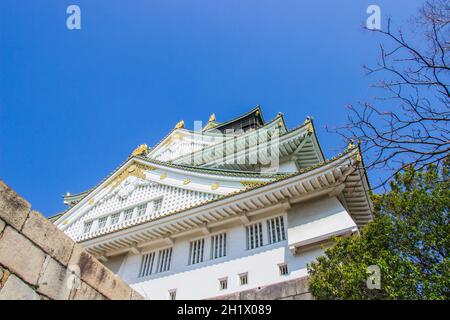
296, 289
38, 261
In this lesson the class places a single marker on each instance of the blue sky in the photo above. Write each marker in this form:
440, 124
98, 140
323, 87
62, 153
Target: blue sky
74, 104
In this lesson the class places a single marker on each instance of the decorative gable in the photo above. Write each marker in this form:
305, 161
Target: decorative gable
143, 190
132, 201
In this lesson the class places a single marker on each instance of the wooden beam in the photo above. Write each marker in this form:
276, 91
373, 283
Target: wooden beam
205, 230
244, 218
134, 249
337, 190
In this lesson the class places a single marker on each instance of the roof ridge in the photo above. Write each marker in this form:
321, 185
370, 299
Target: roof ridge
257, 108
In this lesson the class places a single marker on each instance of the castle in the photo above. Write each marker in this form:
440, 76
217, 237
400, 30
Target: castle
227, 208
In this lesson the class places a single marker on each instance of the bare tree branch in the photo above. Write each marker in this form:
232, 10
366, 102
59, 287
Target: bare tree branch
409, 123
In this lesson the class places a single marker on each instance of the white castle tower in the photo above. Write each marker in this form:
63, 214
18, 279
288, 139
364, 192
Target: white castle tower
212, 212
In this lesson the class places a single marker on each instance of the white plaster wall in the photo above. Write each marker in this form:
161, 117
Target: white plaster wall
201, 280
316, 219
287, 166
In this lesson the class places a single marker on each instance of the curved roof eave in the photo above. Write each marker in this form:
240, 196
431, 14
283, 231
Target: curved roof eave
305, 173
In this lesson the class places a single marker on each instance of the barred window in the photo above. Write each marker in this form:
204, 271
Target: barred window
223, 283
157, 204
196, 251
115, 218
173, 294
254, 236
141, 209
218, 246
283, 269
102, 222
87, 227
128, 214
147, 264
243, 279
275, 229
164, 258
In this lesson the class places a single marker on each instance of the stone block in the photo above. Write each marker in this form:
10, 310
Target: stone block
136, 295
98, 276
302, 285
304, 296
55, 280
288, 288
20, 255
287, 298
2, 225
86, 292
46, 235
271, 292
13, 209
4, 274
16, 289
248, 295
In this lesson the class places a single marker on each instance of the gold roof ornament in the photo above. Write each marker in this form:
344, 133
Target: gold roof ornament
308, 124
215, 186
140, 150
307, 120
350, 146
212, 117
179, 125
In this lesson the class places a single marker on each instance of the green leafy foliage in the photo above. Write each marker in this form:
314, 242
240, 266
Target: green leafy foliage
408, 240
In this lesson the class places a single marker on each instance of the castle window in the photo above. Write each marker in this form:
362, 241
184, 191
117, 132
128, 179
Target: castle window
173, 294
141, 209
223, 283
164, 258
157, 204
147, 264
254, 236
115, 218
243, 279
283, 269
128, 214
275, 229
218, 246
102, 222
87, 227
196, 251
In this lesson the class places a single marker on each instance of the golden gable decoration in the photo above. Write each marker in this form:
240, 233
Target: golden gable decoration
179, 125
215, 186
134, 169
140, 150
